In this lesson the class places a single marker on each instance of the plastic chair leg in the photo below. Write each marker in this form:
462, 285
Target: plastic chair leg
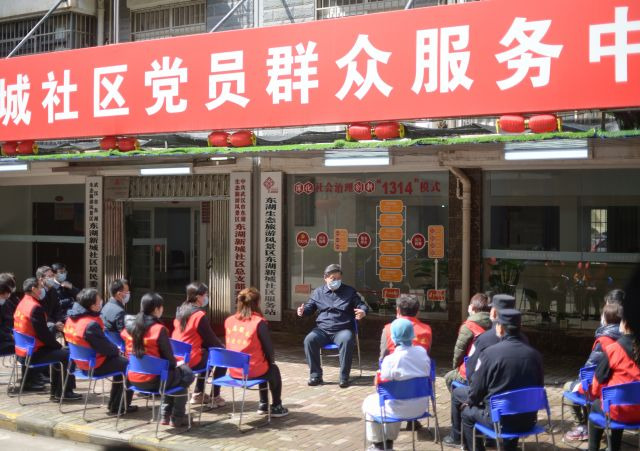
159, 412
11, 384
244, 389
86, 396
359, 360
436, 434
24, 378
121, 404
64, 386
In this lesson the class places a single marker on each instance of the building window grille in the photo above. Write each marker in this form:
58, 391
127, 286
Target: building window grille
59, 32
598, 230
328, 9
174, 20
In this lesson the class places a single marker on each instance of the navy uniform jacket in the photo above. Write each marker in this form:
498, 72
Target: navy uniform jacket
113, 316
66, 299
335, 308
484, 340
508, 365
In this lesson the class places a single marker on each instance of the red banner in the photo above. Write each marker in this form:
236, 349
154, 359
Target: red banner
473, 59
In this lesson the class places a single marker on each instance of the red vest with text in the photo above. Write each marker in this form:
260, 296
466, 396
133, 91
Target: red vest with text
74, 330
190, 335
150, 348
476, 329
242, 336
421, 331
603, 341
22, 321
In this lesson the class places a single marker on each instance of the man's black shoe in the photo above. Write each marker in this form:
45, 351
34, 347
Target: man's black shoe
129, 409
68, 396
315, 381
344, 384
451, 442
32, 386
416, 425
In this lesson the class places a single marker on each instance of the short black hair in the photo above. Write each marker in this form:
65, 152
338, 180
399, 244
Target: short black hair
408, 304
87, 297
41, 271
117, 285
58, 266
9, 279
5, 288
29, 284
614, 297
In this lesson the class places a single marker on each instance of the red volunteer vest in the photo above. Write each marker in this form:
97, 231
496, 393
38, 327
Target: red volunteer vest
604, 342
22, 321
74, 330
150, 348
421, 330
623, 370
242, 336
190, 335
476, 329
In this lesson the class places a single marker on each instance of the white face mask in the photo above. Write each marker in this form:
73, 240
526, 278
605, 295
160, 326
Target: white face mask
3, 300
126, 298
205, 301
602, 321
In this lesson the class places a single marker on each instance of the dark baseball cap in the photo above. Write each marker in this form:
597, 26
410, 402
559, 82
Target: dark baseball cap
510, 317
503, 301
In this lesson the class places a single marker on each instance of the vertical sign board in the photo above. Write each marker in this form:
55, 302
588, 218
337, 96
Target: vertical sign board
240, 224
271, 244
93, 233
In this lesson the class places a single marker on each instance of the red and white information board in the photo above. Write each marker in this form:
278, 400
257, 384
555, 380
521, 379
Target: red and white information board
472, 59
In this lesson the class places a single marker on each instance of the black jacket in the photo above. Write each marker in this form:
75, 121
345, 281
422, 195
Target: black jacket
164, 345
113, 316
610, 330
508, 365
335, 308
484, 340
6, 318
66, 299
41, 327
209, 338
94, 334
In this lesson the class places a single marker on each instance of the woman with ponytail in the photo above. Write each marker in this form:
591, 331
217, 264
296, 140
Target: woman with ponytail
146, 335
619, 365
247, 331
191, 326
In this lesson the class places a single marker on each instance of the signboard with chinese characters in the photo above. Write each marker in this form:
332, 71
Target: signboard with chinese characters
271, 244
391, 226
472, 59
93, 233
240, 224
435, 237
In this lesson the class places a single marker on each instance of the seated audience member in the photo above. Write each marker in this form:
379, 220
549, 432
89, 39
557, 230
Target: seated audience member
45, 276
407, 306
484, 340
247, 331
337, 305
508, 365
477, 323
406, 362
113, 311
84, 327
192, 326
30, 319
8, 306
145, 334
65, 291
619, 364
606, 334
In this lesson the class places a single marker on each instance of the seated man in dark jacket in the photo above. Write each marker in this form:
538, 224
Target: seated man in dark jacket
338, 305
113, 311
508, 365
65, 292
85, 328
30, 319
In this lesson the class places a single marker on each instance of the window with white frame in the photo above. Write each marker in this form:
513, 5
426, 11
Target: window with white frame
175, 20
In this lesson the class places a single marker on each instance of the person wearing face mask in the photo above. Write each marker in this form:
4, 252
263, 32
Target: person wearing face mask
192, 326
51, 301
508, 365
30, 319
65, 291
6, 338
476, 324
113, 311
606, 334
337, 305
85, 328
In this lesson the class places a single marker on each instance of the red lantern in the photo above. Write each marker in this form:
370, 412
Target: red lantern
389, 130
242, 138
510, 123
218, 139
359, 132
27, 148
127, 144
545, 123
109, 143
9, 148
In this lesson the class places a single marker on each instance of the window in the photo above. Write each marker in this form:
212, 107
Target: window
175, 20
59, 32
598, 230
525, 228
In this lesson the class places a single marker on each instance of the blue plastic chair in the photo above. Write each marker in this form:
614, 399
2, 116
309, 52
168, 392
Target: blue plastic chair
335, 347
455, 384
87, 355
116, 339
515, 402
586, 378
616, 395
224, 358
418, 387
155, 366
182, 351
27, 343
